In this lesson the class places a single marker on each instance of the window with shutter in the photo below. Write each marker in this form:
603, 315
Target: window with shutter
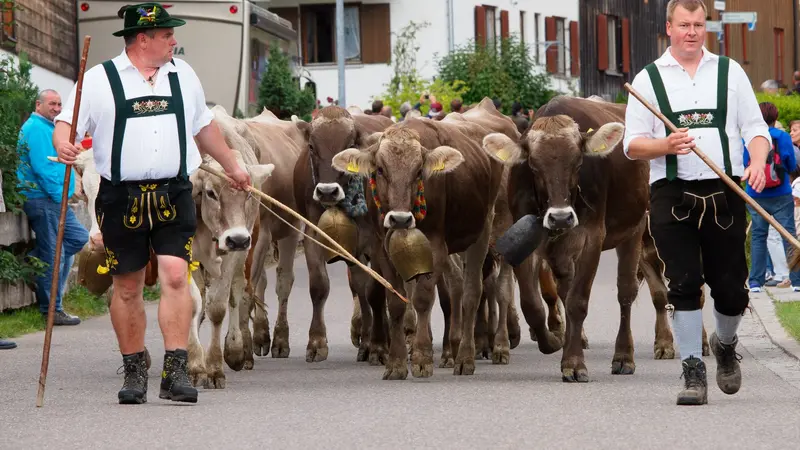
551, 54
376, 41
574, 49
504, 32
480, 25
8, 34
602, 42
626, 45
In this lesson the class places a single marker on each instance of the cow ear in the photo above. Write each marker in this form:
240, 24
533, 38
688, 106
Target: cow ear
602, 142
197, 186
259, 173
441, 160
353, 161
302, 125
502, 148
365, 140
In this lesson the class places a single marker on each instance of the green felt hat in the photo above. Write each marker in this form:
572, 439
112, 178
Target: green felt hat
146, 16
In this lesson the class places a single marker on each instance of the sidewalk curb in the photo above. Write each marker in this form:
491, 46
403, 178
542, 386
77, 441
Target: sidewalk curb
763, 308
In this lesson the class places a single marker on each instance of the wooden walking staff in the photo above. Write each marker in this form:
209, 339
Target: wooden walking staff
794, 260
60, 236
339, 249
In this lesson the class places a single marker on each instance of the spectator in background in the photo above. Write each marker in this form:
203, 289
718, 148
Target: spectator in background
43, 204
794, 132
497, 103
436, 111
518, 115
387, 111
776, 200
377, 106
770, 87
456, 105
795, 176
796, 87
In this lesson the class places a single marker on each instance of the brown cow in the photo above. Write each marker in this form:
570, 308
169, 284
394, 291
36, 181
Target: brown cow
461, 186
570, 172
317, 186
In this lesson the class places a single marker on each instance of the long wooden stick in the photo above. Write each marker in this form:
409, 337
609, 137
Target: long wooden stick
341, 251
795, 260
51, 308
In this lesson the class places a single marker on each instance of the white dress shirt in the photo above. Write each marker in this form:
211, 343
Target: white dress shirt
744, 120
150, 148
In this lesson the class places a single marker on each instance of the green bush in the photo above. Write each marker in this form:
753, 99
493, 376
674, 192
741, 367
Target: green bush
788, 106
406, 85
506, 72
279, 92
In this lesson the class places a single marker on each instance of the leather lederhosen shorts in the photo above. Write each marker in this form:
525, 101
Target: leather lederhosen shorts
136, 215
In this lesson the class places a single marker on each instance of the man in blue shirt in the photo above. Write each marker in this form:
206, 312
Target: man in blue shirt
42, 182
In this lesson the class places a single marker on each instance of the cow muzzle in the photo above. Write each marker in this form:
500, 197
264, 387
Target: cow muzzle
557, 219
399, 220
328, 194
234, 240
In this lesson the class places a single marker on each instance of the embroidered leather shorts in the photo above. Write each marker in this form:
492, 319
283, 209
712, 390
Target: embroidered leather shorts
137, 215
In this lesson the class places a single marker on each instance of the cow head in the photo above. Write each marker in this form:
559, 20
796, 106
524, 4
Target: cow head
554, 148
397, 162
332, 131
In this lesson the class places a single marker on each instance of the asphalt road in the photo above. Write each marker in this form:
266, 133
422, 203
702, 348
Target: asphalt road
339, 403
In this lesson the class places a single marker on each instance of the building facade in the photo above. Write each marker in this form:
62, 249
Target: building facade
45, 30
371, 27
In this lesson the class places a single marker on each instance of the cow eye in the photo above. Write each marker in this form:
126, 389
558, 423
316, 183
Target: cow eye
380, 171
211, 194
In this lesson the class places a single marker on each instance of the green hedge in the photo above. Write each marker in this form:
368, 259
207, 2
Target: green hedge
788, 106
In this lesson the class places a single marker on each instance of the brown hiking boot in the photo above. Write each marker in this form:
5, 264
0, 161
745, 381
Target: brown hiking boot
695, 390
729, 374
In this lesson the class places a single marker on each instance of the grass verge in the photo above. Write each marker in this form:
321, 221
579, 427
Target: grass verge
789, 316
78, 301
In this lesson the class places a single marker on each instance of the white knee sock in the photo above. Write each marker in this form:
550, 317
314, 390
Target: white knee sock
727, 326
688, 328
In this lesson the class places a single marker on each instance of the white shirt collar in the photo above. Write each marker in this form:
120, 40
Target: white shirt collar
122, 62
667, 59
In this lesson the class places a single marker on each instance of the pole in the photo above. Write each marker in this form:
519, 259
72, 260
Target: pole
51, 309
340, 57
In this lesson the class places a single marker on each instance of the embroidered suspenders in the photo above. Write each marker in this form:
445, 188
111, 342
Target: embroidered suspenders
700, 118
144, 107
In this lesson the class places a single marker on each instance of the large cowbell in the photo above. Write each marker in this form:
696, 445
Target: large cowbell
521, 239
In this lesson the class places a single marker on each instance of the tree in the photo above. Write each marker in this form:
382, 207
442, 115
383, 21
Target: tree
279, 92
506, 72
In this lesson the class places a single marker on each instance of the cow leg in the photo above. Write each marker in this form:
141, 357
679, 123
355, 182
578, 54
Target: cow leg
706, 348
555, 316
422, 297
473, 286
409, 319
355, 319
446, 360
649, 265
627, 289
263, 247
533, 308
247, 305
358, 285
576, 279
482, 349
503, 293
514, 332
284, 275
217, 295
319, 287
397, 363
196, 363
378, 340
234, 347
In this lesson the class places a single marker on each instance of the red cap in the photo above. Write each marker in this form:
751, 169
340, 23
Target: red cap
437, 106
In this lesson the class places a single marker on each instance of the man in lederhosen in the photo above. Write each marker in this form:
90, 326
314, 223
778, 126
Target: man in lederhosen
143, 109
697, 222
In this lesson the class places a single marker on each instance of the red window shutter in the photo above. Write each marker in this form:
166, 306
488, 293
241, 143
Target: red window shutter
726, 30
574, 49
744, 42
504, 24
480, 25
552, 51
602, 42
626, 45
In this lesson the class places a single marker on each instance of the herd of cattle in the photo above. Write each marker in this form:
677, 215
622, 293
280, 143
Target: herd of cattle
463, 182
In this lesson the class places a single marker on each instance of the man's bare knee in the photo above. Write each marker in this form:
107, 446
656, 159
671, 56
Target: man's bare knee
128, 287
173, 273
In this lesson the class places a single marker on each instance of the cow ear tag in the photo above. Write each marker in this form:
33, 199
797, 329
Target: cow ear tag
439, 166
503, 154
601, 148
352, 167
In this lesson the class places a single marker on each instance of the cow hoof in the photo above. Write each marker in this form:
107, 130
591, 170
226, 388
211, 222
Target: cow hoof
362, 355
234, 351
533, 334
623, 365
147, 359
514, 337
396, 370
261, 342
316, 352
248, 364
500, 356
706, 349
447, 360
280, 348
215, 381
665, 350
464, 367
378, 355
551, 344
197, 378
483, 354
355, 332
424, 370
578, 375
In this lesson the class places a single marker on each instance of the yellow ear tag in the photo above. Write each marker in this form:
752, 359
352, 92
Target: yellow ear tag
352, 167
600, 149
503, 154
439, 166
590, 130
